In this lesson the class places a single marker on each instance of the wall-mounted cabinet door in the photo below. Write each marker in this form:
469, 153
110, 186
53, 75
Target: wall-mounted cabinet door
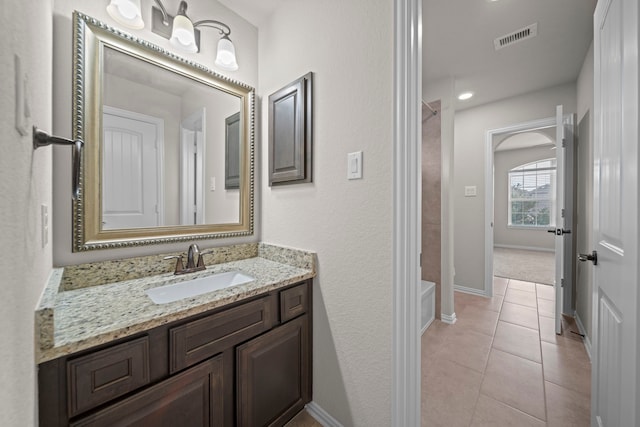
273, 375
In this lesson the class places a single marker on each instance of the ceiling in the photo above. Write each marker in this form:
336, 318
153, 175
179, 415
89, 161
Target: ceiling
251, 10
458, 42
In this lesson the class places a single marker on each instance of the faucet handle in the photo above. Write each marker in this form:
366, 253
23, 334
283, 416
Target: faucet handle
179, 265
201, 259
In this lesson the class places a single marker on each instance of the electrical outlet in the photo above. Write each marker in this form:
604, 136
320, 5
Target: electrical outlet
470, 191
44, 219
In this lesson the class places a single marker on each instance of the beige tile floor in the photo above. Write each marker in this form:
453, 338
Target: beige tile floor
501, 363
303, 419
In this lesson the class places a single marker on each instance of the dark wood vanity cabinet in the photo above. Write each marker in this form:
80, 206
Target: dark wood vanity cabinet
272, 379
246, 364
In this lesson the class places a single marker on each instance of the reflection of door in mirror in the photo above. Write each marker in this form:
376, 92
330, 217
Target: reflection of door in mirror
131, 191
192, 137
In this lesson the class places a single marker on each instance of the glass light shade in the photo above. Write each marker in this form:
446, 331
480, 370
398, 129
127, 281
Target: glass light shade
226, 56
182, 35
127, 13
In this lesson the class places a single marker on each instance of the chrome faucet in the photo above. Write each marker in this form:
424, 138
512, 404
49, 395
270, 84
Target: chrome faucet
195, 261
193, 252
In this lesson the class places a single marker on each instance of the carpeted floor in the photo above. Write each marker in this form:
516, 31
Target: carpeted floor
530, 266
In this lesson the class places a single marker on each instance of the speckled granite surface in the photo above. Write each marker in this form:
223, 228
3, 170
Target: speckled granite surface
100, 273
77, 319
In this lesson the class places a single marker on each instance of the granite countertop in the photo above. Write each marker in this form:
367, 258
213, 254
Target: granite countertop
68, 321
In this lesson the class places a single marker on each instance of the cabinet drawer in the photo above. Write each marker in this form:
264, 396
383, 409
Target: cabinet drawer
293, 302
200, 339
98, 377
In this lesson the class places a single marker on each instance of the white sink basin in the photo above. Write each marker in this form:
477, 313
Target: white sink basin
192, 288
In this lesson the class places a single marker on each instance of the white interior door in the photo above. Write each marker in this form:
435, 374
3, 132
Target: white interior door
560, 206
615, 361
131, 170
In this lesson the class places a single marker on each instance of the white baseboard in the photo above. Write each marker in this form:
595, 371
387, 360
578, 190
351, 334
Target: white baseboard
472, 291
585, 339
321, 416
450, 319
526, 248
426, 326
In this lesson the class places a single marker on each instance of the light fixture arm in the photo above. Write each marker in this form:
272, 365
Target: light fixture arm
220, 26
165, 15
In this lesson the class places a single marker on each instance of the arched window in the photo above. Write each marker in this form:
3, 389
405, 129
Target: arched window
532, 194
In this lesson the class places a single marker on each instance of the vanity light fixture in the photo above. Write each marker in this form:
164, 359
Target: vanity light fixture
464, 96
127, 13
181, 31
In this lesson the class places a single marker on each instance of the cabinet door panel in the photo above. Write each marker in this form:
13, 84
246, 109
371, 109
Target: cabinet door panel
193, 398
273, 375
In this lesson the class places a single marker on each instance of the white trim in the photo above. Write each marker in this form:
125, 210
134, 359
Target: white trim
471, 291
407, 155
321, 416
526, 248
445, 318
426, 326
585, 338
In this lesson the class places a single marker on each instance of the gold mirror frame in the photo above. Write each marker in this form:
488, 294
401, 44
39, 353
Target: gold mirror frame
90, 36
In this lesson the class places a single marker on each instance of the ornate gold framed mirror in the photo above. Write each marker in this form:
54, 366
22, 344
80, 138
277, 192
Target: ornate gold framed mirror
154, 165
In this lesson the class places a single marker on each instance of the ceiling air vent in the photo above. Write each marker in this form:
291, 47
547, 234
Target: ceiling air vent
516, 36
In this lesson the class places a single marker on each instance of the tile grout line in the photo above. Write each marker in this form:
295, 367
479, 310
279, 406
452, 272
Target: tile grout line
484, 370
544, 383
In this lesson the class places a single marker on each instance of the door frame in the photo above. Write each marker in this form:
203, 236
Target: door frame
186, 149
529, 126
407, 203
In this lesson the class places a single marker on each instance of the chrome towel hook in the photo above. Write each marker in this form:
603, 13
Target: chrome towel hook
42, 139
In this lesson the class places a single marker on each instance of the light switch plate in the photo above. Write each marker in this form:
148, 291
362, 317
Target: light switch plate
354, 165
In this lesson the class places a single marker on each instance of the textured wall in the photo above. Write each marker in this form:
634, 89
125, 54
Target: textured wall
348, 45
245, 39
471, 126
25, 184
584, 210
503, 162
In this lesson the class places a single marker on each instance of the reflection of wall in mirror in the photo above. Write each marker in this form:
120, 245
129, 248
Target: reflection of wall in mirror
221, 206
128, 95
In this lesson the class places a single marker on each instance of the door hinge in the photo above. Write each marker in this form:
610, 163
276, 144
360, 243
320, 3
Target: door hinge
562, 283
562, 213
564, 142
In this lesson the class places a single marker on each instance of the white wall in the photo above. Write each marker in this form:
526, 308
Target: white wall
584, 271
471, 126
245, 39
503, 235
25, 184
349, 47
